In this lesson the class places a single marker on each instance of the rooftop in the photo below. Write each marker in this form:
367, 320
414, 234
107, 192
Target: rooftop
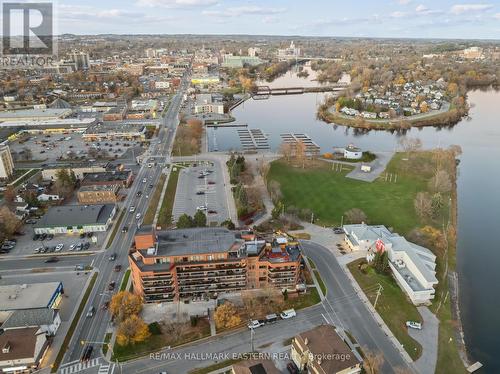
36, 113
98, 188
21, 342
106, 176
76, 215
27, 296
113, 128
197, 240
30, 318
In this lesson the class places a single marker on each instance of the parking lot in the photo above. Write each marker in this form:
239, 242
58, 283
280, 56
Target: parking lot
201, 187
26, 246
53, 147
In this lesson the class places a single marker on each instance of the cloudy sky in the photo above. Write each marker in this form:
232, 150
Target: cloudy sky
376, 18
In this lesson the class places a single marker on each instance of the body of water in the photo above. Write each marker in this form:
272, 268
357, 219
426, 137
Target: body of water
478, 261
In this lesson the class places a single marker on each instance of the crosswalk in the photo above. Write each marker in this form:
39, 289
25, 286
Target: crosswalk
78, 367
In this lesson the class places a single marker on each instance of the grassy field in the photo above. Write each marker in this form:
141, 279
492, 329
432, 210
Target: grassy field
330, 194
165, 216
392, 305
72, 327
153, 203
159, 340
123, 285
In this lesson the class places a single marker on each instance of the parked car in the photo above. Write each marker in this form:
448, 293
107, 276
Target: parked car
289, 313
271, 318
338, 230
50, 236
79, 247
43, 237
138, 216
292, 368
31, 221
86, 245
51, 260
255, 323
200, 192
71, 247
201, 207
414, 325
59, 247
79, 267
36, 237
139, 193
211, 211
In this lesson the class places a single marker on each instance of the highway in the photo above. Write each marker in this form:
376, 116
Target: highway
93, 329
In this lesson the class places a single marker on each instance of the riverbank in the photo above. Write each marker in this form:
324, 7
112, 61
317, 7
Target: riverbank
328, 194
446, 118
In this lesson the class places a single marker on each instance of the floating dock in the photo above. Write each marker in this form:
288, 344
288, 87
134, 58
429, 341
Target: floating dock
253, 140
311, 148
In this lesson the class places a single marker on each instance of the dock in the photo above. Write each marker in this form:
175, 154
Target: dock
311, 148
253, 140
474, 367
226, 124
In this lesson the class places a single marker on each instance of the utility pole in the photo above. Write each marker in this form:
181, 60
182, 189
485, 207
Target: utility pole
379, 291
251, 340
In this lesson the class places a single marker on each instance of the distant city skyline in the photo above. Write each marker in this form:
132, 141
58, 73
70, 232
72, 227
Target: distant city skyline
389, 18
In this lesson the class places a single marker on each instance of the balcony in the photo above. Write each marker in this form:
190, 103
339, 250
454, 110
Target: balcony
158, 298
212, 274
212, 280
281, 275
181, 269
155, 291
282, 269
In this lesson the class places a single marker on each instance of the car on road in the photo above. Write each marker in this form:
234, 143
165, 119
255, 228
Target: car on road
255, 323
105, 306
112, 257
79, 247
150, 186
132, 209
36, 237
200, 192
90, 312
111, 286
86, 245
38, 250
211, 182
118, 268
201, 207
138, 216
289, 313
79, 267
59, 247
51, 260
87, 353
271, 318
144, 180
139, 193
125, 229
414, 325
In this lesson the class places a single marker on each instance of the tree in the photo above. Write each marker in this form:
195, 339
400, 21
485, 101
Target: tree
436, 203
185, 222
275, 190
199, 219
355, 215
9, 195
10, 222
132, 330
381, 262
286, 151
226, 316
372, 362
440, 182
423, 205
125, 304
301, 152
229, 224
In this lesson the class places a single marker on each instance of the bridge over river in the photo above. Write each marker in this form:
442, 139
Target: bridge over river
262, 92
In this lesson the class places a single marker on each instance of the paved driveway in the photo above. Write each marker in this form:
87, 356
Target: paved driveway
428, 338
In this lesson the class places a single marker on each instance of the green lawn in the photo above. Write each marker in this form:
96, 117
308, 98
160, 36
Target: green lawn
72, 327
392, 305
330, 194
107, 339
123, 285
165, 216
304, 300
153, 204
320, 281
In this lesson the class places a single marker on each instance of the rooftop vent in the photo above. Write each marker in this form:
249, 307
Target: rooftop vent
6, 347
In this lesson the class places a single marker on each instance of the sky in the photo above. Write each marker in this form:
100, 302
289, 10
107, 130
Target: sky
355, 18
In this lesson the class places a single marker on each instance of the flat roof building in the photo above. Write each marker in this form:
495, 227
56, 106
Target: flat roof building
117, 130
204, 262
30, 296
108, 178
98, 194
76, 219
34, 114
6, 162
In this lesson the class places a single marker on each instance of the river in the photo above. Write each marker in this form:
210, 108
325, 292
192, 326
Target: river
478, 262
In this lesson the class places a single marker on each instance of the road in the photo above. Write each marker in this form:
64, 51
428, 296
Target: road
342, 307
93, 329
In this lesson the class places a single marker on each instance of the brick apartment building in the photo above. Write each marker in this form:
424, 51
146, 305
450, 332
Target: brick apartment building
204, 262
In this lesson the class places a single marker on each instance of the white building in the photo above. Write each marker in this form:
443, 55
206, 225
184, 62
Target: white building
352, 152
413, 266
206, 104
6, 162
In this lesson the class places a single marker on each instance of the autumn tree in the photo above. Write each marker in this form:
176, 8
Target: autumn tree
9, 221
286, 151
301, 152
125, 304
9, 195
372, 362
226, 316
423, 205
355, 215
132, 330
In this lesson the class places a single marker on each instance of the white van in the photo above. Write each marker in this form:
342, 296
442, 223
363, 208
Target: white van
289, 313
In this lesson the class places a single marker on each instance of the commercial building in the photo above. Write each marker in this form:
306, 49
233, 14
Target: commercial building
98, 194
322, 351
230, 61
413, 266
29, 296
6, 162
49, 173
205, 103
205, 80
63, 125
205, 262
47, 320
111, 131
34, 114
120, 178
22, 349
72, 219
